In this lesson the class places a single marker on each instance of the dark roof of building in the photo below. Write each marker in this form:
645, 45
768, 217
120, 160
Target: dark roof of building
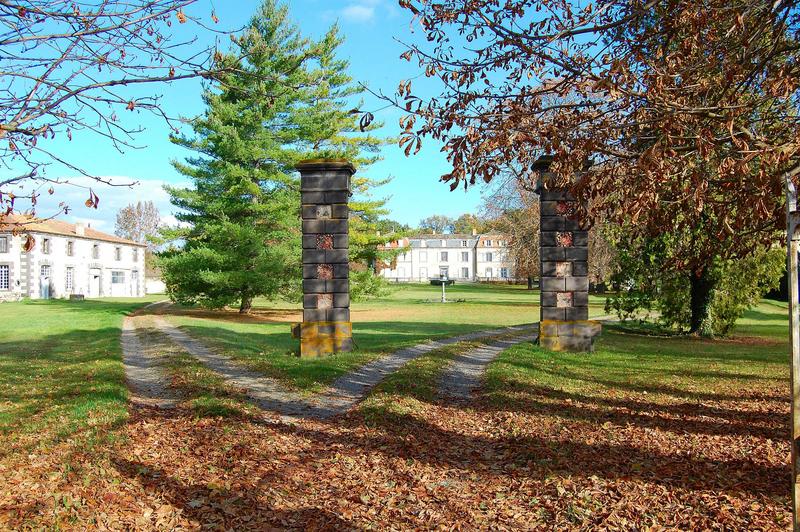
18, 223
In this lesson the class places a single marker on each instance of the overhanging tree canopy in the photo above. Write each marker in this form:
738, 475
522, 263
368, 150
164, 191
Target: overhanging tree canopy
676, 117
688, 106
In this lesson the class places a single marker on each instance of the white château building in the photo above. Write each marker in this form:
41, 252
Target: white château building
64, 259
461, 257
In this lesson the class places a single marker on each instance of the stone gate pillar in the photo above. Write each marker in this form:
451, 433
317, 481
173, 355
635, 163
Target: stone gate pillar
325, 191
564, 282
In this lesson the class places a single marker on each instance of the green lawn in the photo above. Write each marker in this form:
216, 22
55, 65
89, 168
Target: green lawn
410, 314
629, 360
61, 368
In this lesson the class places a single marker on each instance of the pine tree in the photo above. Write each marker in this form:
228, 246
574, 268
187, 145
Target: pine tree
285, 100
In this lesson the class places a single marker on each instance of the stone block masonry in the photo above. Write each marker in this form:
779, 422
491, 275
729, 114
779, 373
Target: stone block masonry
568, 335
563, 255
324, 193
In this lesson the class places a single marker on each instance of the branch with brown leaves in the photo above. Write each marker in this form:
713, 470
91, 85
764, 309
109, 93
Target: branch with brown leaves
68, 67
650, 109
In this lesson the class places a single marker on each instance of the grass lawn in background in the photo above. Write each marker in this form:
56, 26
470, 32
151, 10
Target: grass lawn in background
61, 371
409, 315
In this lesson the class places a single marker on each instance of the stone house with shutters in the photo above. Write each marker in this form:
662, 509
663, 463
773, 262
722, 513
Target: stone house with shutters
468, 258
42, 259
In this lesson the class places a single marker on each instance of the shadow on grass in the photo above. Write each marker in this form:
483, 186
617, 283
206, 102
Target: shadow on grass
552, 454
257, 316
61, 386
402, 436
678, 418
223, 508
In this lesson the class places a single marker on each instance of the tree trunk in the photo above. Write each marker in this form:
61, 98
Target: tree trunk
701, 287
247, 304
530, 283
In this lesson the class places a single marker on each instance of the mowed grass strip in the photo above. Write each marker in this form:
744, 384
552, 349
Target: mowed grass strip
61, 369
630, 359
198, 388
406, 317
404, 391
203, 392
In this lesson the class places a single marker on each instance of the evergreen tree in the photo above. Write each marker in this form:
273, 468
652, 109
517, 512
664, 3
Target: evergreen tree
284, 100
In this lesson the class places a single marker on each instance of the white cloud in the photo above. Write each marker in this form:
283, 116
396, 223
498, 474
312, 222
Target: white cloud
359, 12
171, 221
112, 199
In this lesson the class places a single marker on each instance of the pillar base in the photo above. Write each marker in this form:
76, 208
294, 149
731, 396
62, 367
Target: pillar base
323, 338
571, 335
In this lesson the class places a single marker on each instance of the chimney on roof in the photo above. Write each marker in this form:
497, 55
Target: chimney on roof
474, 232
80, 229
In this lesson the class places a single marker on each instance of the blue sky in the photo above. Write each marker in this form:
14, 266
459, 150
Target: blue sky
370, 28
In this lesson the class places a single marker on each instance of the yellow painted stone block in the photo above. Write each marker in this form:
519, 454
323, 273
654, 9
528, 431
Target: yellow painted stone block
570, 335
548, 328
324, 338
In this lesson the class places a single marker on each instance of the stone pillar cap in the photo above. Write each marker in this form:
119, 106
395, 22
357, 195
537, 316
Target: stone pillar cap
325, 164
542, 164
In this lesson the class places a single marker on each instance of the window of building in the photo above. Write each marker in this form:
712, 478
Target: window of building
487, 243
465, 272
117, 277
5, 277
70, 248
504, 273
117, 253
444, 256
69, 280
96, 251
465, 256
135, 254
3, 244
423, 255
46, 246
489, 257
463, 243
45, 270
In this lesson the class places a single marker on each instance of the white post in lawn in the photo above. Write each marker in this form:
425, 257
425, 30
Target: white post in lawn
792, 237
443, 278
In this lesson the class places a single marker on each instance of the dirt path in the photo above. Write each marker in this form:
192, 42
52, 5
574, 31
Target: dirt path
146, 381
348, 389
464, 375
149, 386
343, 394
265, 392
